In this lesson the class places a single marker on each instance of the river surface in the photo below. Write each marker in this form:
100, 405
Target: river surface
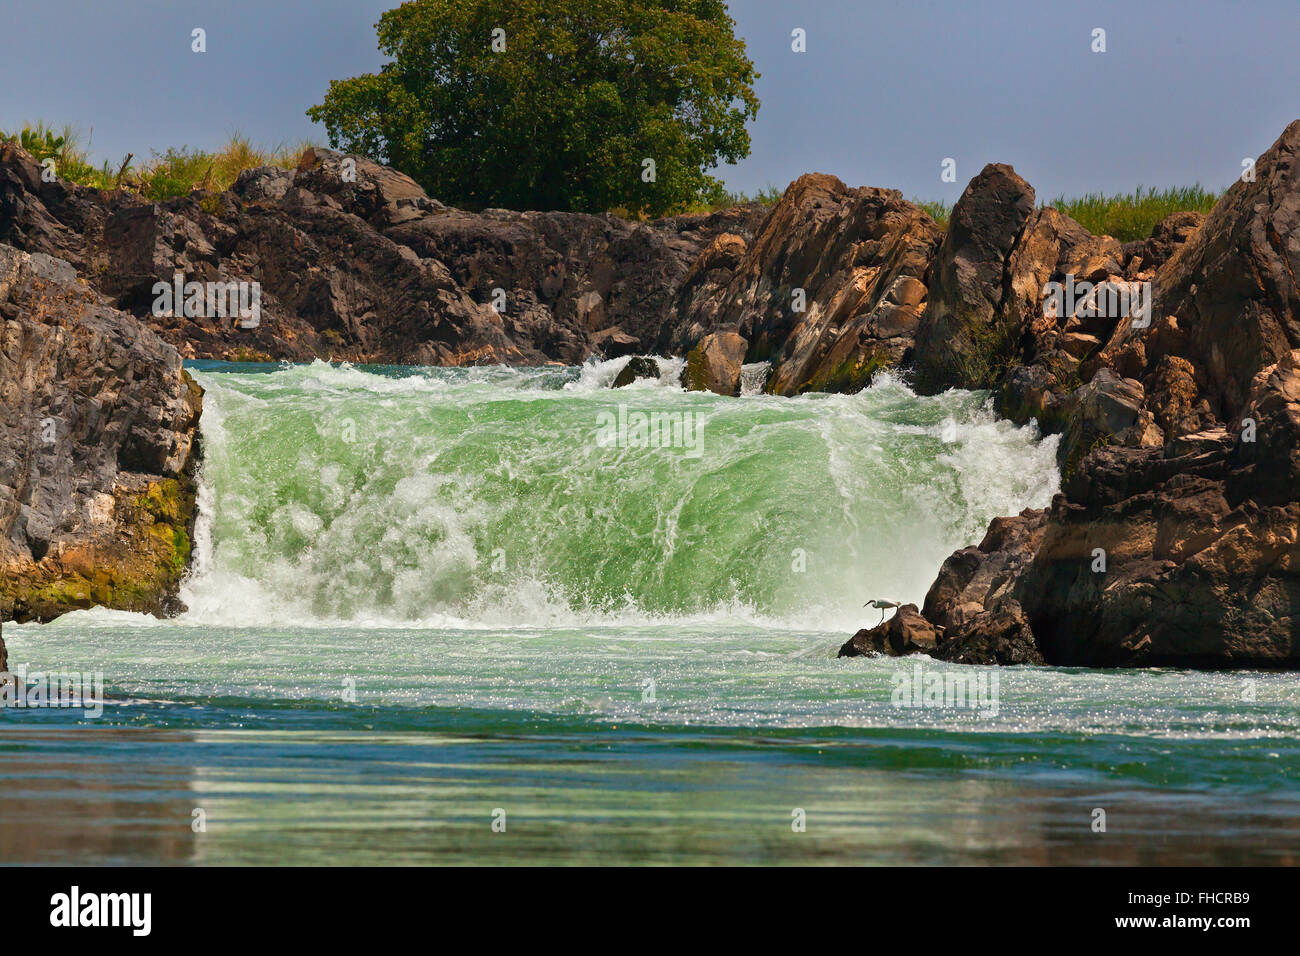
515, 616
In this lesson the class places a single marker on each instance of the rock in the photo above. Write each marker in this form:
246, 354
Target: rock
701, 298
1079, 344
972, 600
1184, 555
265, 184
1226, 301
1000, 635
963, 338
614, 342
355, 262
714, 365
907, 632
1103, 411
638, 367
1200, 540
98, 427
829, 290
1146, 255
1176, 401
980, 575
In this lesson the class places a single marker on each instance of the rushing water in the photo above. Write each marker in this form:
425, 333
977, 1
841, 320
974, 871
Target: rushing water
423, 596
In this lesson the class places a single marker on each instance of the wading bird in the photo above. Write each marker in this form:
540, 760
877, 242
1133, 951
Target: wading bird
882, 605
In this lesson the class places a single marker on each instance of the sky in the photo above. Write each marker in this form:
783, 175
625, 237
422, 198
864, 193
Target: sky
884, 93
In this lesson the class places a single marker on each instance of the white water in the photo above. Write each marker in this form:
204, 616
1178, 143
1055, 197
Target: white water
479, 498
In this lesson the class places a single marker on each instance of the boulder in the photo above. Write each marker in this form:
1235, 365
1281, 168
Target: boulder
639, 367
963, 338
714, 365
614, 342
1106, 410
907, 632
972, 601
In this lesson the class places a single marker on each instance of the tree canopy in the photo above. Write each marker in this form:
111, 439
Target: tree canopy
553, 104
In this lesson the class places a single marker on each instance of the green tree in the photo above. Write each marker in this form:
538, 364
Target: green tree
565, 115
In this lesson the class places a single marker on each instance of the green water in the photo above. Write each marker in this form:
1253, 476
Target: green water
425, 599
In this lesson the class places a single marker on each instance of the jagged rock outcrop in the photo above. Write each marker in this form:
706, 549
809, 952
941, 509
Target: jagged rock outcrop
964, 338
829, 290
1186, 555
972, 601
1176, 539
355, 262
98, 428
990, 322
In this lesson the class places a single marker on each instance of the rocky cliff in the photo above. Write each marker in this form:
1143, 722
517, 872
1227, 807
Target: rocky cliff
356, 263
1176, 538
98, 425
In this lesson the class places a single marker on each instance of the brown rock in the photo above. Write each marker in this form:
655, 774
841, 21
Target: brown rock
98, 424
853, 258
366, 267
972, 600
907, 632
638, 367
964, 338
614, 342
714, 365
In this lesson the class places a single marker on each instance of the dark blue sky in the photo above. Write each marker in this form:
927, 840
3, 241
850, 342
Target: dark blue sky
884, 93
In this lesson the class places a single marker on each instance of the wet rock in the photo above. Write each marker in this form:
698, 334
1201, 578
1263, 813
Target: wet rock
972, 602
1186, 555
907, 632
639, 367
1000, 635
715, 364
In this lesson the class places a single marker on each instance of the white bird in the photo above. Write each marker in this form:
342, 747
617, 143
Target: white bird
883, 606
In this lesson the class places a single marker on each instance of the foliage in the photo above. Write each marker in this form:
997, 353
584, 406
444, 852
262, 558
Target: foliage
1125, 216
1130, 216
563, 117
175, 172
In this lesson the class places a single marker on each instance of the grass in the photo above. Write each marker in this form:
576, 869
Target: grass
175, 172
937, 209
181, 170
1130, 216
769, 195
1125, 216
